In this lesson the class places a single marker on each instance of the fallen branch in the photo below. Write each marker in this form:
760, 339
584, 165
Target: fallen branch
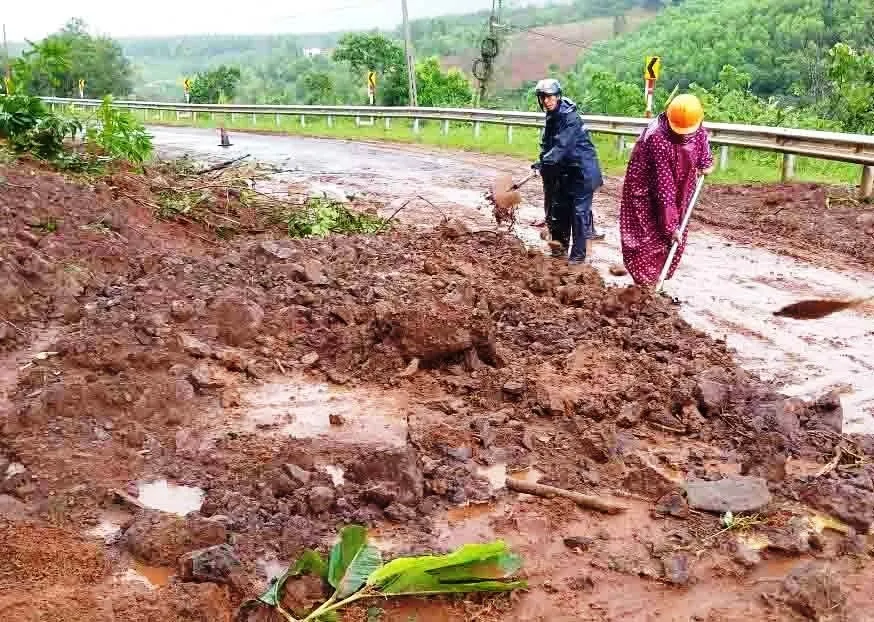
833, 463
5, 321
587, 501
410, 200
222, 165
129, 500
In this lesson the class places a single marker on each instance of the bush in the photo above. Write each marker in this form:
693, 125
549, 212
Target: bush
118, 134
29, 127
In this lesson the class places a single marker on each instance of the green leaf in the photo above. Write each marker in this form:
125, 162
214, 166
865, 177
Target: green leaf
352, 561
472, 568
309, 563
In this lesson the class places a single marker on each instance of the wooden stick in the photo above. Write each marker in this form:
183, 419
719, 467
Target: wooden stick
126, 498
5, 321
586, 501
222, 165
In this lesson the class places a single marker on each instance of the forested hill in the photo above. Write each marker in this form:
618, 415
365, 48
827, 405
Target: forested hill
782, 45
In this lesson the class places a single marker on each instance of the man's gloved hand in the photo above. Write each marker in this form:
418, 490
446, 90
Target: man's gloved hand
536, 167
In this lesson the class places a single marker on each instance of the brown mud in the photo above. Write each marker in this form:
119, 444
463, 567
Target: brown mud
259, 392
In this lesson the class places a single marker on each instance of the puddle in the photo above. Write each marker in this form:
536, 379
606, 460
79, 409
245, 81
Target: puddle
166, 497
497, 475
337, 474
303, 410
155, 576
107, 531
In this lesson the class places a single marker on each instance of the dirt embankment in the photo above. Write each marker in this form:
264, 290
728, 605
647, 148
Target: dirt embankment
382, 380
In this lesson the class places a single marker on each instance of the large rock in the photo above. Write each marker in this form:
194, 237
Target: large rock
320, 499
732, 494
814, 590
854, 506
713, 396
193, 346
238, 318
649, 480
208, 376
396, 469
308, 271
215, 564
160, 539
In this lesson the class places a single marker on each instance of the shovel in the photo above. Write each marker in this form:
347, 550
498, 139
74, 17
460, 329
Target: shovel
819, 308
676, 245
505, 196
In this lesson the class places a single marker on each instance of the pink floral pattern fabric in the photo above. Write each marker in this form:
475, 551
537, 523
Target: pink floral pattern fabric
659, 184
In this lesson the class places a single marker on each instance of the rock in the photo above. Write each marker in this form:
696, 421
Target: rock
400, 513
514, 388
528, 440
745, 555
160, 539
734, 494
453, 228
791, 539
598, 446
712, 396
276, 250
618, 270
308, 271
552, 400
308, 360
12, 509
650, 480
673, 504
814, 590
484, 431
215, 564
381, 495
335, 419
784, 419
230, 398
193, 346
430, 267
676, 568
320, 499
181, 311
299, 476
238, 318
854, 506
629, 415
692, 418
208, 376
768, 464
397, 469
283, 485
462, 454
232, 358
578, 542
183, 390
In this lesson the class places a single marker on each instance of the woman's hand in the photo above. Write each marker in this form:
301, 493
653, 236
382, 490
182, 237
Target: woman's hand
707, 171
676, 237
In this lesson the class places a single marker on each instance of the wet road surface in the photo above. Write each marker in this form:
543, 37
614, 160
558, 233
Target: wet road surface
727, 289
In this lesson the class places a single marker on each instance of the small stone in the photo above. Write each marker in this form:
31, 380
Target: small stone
676, 568
731, 494
618, 270
381, 495
400, 513
298, 475
484, 431
578, 542
673, 504
181, 311
193, 346
206, 376
230, 398
308, 271
308, 360
713, 396
745, 555
629, 416
814, 590
650, 480
430, 267
183, 389
321, 498
459, 453
215, 564
514, 388
335, 419
528, 440
102, 435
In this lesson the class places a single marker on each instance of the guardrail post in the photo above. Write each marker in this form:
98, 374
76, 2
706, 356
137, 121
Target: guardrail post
194, 116
254, 119
866, 188
620, 144
233, 117
161, 114
276, 119
477, 128
178, 115
788, 167
388, 123
357, 121
415, 126
303, 120
330, 120
723, 157
445, 129
509, 134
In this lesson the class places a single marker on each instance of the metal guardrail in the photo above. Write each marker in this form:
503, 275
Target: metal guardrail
851, 148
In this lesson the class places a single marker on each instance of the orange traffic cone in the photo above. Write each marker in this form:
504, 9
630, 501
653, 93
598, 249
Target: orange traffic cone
225, 141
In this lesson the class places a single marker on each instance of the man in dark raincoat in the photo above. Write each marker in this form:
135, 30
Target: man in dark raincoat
571, 173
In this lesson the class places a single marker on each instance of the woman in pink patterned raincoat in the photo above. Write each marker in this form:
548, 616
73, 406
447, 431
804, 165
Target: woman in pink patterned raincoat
659, 183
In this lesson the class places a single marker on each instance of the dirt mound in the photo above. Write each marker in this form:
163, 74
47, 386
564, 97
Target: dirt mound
303, 384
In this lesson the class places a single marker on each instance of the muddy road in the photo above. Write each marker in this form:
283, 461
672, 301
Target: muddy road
727, 288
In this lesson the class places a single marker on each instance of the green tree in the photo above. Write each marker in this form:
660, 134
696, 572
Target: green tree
374, 52
441, 88
211, 87
319, 87
851, 101
55, 65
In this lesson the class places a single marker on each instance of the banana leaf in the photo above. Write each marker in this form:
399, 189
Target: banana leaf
309, 563
352, 561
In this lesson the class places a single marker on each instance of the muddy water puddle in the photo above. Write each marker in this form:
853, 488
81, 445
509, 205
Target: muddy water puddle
152, 577
497, 475
171, 498
303, 409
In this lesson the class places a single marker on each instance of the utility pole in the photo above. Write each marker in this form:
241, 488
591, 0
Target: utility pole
411, 60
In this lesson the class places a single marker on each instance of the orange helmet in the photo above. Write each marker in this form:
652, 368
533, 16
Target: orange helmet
685, 114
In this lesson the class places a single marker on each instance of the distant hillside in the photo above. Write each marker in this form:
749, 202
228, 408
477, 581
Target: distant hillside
541, 51
782, 44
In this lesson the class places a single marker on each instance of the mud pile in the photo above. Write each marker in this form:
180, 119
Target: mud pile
301, 384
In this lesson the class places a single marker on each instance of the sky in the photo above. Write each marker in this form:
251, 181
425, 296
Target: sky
37, 18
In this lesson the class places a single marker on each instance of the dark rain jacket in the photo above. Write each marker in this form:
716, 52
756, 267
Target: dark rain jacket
566, 146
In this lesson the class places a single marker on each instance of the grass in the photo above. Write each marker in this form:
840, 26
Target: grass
745, 165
